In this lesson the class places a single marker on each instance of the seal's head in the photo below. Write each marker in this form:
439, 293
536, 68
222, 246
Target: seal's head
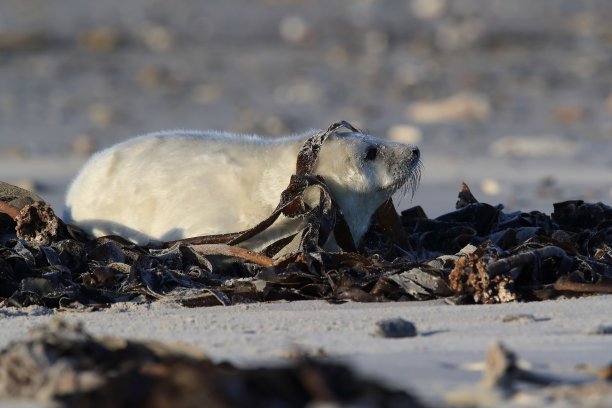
363, 171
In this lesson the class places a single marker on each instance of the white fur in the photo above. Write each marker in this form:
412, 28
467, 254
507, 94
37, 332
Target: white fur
171, 185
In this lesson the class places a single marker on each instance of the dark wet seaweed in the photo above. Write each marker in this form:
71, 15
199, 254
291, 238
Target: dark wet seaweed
477, 251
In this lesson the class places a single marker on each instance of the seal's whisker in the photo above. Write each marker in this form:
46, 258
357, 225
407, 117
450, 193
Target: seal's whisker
414, 179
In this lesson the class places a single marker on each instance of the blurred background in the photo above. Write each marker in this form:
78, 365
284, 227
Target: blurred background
512, 97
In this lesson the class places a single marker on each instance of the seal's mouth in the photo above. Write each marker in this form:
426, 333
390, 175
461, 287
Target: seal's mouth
408, 179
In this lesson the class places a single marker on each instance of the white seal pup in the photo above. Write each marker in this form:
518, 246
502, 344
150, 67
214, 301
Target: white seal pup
179, 184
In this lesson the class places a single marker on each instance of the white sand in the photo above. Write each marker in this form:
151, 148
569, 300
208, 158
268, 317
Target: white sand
452, 338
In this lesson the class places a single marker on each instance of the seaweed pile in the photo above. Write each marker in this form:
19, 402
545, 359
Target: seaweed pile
476, 254
63, 363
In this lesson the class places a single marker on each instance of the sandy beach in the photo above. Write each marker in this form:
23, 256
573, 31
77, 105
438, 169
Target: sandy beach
514, 99
447, 356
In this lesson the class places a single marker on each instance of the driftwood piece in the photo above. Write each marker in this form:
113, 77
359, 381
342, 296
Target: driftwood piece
565, 284
234, 251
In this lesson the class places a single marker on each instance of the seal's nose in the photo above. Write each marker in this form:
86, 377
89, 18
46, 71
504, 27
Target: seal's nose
416, 152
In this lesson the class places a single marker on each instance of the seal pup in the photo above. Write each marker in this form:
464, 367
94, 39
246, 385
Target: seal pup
178, 184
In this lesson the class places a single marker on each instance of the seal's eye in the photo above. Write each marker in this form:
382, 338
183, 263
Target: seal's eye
371, 153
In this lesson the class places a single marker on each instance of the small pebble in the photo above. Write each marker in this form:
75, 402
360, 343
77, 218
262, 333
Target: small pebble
567, 115
207, 93
395, 328
101, 114
605, 373
21, 41
83, 145
19, 152
100, 39
490, 186
460, 34
456, 108
158, 38
337, 56
293, 29
151, 77
519, 318
601, 329
609, 103
534, 146
300, 92
428, 9
376, 42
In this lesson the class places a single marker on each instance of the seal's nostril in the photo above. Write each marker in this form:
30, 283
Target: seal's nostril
416, 151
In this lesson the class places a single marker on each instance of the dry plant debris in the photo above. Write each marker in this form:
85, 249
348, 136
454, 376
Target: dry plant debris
476, 254
506, 383
63, 363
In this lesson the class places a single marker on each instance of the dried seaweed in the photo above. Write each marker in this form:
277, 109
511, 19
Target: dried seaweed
37, 223
64, 364
471, 276
477, 253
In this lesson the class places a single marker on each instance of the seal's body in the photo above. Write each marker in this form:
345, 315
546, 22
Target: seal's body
179, 184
